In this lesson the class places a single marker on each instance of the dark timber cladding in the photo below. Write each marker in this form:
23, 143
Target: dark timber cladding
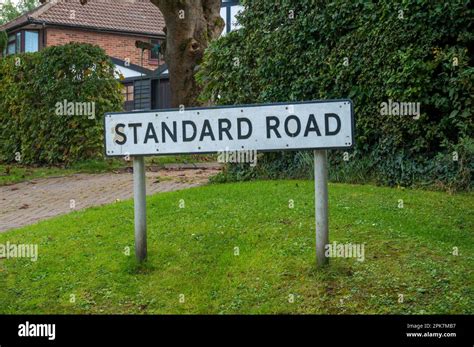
160, 93
142, 94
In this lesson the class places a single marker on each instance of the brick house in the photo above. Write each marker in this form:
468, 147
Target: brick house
114, 25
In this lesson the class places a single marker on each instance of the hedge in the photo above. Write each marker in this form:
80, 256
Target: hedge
33, 128
370, 52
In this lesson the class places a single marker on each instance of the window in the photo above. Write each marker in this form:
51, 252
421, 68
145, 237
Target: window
31, 41
22, 41
127, 92
11, 48
18, 42
154, 53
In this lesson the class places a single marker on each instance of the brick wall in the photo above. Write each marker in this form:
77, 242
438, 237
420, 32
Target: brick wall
115, 45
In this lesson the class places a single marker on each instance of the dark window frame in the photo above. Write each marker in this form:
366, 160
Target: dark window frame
10, 41
23, 41
17, 38
128, 91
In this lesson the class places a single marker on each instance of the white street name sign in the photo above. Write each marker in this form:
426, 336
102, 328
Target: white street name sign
269, 127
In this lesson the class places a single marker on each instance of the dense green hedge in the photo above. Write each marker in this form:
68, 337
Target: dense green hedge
32, 128
409, 51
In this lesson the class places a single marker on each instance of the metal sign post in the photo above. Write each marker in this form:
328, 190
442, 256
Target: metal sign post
139, 195
316, 125
321, 205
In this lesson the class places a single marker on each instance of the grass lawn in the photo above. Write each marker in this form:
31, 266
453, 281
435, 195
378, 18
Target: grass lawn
192, 254
15, 173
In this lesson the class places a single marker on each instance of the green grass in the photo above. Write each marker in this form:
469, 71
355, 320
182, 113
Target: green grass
10, 174
15, 173
191, 251
180, 159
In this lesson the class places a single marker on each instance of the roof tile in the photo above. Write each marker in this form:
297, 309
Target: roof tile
138, 16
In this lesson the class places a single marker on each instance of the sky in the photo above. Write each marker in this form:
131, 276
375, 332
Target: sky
14, 1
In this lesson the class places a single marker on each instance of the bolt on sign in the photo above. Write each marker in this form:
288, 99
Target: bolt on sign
316, 125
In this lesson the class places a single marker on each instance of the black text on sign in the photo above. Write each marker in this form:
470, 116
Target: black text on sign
270, 127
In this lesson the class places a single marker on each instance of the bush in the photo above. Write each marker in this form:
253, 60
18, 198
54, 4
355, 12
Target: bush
414, 51
32, 127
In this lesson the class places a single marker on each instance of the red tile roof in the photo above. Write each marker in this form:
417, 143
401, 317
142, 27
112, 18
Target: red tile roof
133, 16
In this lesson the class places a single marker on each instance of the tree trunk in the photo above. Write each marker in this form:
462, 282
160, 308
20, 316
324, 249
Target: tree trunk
190, 26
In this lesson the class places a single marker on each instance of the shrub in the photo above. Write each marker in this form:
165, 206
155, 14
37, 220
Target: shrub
371, 52
32, 85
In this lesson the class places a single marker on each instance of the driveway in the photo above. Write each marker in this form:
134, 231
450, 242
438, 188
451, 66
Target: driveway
29, 202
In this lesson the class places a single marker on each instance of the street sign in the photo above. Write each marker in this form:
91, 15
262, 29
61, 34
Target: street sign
269, 127
317, 125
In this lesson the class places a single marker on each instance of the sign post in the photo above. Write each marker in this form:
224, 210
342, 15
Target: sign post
316, 125
321, 205
139, 198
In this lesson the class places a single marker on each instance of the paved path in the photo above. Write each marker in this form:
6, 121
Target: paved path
29, 202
